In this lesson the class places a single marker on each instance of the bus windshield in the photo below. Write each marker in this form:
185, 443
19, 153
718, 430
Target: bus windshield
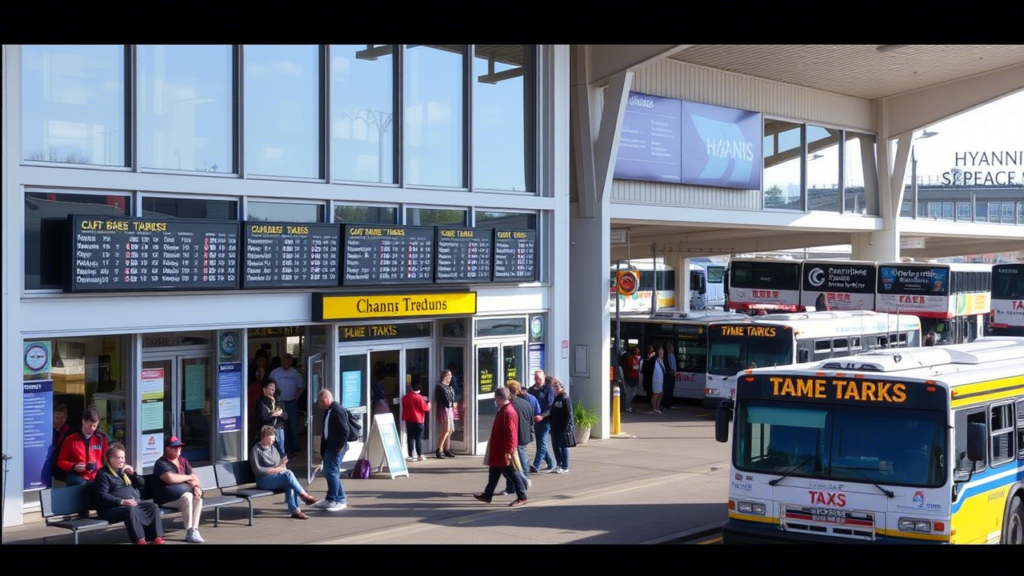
731, 355
842, 443
1008, 282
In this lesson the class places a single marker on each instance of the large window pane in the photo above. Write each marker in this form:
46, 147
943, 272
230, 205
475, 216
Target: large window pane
861, 192
282, 111
189, 208
366, 214
362, 113
186, 108
783, 148
284, 212
503, 117
430, 217
73, 104
434, 144
823, 169
43, 239
1007, 216
518, 220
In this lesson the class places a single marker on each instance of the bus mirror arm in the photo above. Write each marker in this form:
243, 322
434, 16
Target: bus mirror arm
723, 417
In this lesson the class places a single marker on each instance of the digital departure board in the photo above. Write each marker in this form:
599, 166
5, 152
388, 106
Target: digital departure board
515, 255
290, 255
110, 254
464, 254
388, 255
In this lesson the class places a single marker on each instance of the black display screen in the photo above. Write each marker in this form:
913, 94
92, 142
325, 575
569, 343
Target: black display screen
388, 255
515, 255
464, 254
291, 255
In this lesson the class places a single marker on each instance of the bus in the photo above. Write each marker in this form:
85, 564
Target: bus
688, 333
764, 284
952, 299
889, 447
1007, 316
837, 285
703, 294
794, 338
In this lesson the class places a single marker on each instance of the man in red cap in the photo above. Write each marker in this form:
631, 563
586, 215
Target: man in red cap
179, 486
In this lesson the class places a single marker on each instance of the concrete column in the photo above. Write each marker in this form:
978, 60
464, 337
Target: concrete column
879, 246
682, 288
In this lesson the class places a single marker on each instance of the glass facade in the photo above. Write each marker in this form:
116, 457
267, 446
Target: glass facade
362, 113
503, 125
284, 212
823, 168
431, 217
435, 146
783, 178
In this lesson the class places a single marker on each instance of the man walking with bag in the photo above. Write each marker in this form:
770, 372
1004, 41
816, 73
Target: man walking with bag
333, 445
501, 451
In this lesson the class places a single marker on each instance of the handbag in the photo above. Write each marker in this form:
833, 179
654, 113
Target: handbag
361, 469
570, 438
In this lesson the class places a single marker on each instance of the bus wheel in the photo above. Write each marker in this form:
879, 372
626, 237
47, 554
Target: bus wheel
1013, 532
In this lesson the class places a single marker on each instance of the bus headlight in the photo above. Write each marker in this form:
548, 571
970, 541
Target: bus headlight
754, 508
712, 392
913, 525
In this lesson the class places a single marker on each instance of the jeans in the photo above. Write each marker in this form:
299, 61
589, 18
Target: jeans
74, 480
670, 390
509, 485
285, 480
541, 430
630, 392
291, 407
279, 442
332, 471
561, 449
414, 437
495, 473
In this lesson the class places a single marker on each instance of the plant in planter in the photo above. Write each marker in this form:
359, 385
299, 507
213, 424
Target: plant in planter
584, 420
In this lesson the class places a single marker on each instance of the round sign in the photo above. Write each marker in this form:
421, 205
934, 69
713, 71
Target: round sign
36, 357
536, 327
628, 282
816, 277
228, 344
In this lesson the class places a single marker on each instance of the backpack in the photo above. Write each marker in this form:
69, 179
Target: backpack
355, 426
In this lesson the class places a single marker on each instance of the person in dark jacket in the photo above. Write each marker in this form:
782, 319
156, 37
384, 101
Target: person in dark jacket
333, 445
444, 395
271, 413
526, 413
561, 424
542, 391
118, 497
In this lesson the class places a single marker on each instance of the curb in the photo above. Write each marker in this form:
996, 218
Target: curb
692, 533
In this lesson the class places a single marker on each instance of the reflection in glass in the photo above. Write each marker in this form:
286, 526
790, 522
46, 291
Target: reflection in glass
861, 188
73, 104
430, 217
512, 355
783, 149
823, 169
434, 146
503, 117
487, 377
284, 212
42, 210
186, 108
417, 369
366, 215
362, 113
196, 409
282, 111
452, 356
189, 208
517, 220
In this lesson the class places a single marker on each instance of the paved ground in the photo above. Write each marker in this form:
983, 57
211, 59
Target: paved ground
666, 482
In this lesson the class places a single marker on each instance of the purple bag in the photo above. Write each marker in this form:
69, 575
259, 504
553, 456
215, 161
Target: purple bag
362, 469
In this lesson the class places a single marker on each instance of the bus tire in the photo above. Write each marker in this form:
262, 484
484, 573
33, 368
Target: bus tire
1013, 528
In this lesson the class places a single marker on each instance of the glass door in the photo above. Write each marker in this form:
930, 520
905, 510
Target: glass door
354, 376
315, 382
195, 396
513, 358
488, 377
177, 400
158, 418
452, 358
417, 370
385, 382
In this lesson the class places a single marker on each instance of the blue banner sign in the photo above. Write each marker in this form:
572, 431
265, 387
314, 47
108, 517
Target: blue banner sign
37, 415
229, 397
668, 140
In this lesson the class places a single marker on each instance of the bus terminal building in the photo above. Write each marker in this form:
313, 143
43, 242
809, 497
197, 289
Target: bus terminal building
385, 212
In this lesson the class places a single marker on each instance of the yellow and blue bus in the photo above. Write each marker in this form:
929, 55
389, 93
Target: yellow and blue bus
898, 446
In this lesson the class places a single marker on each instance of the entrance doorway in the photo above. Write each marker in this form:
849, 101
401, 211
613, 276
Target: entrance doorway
177, 400
496, 364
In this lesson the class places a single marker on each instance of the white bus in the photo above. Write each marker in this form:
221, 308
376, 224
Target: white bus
688, 334
837, 285
952, 299
786, 339
894, 446
763, 284
1007, 300
703, 294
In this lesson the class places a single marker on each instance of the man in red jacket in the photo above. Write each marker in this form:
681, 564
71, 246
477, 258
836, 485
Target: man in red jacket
82, 453
502, 450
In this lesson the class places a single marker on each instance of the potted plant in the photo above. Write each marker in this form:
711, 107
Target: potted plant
584, 420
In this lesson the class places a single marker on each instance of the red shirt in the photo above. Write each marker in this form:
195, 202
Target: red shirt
633, 366
504, 435
414, 406
74, 450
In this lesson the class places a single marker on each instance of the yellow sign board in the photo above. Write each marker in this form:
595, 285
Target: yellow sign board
330, 307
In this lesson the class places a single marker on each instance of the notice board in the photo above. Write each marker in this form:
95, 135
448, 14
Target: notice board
383, 448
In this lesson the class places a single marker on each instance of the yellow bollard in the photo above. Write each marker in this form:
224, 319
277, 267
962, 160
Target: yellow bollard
616, 417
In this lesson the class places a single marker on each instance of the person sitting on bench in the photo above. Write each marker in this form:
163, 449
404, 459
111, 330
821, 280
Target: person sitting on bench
118, 497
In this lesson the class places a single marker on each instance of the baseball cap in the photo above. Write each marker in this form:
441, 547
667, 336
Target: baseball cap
173, 441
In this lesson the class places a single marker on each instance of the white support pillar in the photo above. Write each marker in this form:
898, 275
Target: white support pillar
683, 288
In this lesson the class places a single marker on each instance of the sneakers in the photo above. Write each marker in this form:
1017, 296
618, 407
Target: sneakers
529, 483
422, 458
448, 454
629, 410
323, 504
157, 540
309, 499
482, 498
548, 470
439, 455
337, 506
410, 459
192, 535
562, 471
504, 493
533, 470
300, 515
141, 541
518, 502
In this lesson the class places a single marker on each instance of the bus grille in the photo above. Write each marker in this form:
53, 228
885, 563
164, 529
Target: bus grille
828, 522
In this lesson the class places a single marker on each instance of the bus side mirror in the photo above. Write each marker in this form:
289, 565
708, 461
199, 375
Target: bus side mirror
977, 435
803, 355
723, 417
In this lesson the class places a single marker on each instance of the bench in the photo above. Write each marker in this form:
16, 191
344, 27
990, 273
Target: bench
237, 479
59, 503
208, 482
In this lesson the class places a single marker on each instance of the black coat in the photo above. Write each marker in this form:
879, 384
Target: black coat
561, 414
525, 411
110, 490
648, 372
337, 428
265, 418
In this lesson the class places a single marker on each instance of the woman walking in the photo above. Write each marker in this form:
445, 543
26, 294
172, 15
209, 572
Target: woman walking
561, 426
445, 396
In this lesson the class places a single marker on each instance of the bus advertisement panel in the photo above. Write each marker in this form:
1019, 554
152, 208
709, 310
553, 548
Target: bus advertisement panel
838, 285
918, 290
1008, 298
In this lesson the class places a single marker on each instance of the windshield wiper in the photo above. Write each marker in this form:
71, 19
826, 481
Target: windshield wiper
790, 471
888, 493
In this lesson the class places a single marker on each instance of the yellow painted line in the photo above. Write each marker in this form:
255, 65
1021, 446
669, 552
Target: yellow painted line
719, 539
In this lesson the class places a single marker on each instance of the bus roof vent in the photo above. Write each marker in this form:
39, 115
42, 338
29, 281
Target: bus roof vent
982, 350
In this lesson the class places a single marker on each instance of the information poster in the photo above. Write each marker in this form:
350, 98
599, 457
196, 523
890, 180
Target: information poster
195, 386
152, 448
37, 417
153, 415
536, 357
350, 382
229, 397
152, 384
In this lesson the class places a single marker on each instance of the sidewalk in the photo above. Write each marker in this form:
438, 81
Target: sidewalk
668, 480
